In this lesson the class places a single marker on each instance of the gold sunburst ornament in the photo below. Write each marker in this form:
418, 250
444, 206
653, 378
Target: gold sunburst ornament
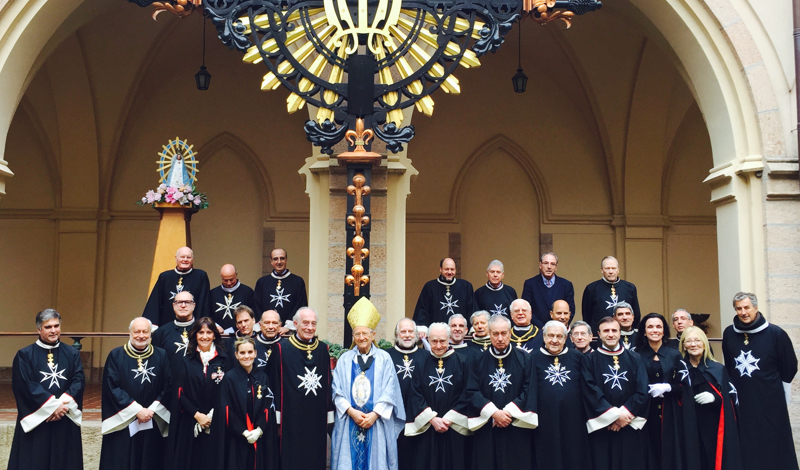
177, 172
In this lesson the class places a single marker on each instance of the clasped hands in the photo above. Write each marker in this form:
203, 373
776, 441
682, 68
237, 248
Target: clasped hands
501, 419
625, 418
363, 420
59, 413
252, 436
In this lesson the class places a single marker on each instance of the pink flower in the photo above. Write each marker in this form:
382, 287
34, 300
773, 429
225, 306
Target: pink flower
157, 197
144, 200
150, 197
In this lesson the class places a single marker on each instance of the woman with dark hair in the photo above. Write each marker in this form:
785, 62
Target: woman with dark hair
195, 431
709, 406
662, 364
251, 437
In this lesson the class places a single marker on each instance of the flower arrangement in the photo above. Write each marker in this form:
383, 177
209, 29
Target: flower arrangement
183, 195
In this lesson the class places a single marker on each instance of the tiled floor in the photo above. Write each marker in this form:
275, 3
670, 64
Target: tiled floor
91, 403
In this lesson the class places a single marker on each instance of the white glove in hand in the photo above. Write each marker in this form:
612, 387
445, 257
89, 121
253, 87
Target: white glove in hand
704, 398
658, 390
254, 435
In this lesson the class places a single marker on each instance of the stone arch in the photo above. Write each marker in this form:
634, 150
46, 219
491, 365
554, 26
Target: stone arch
519, 155
54, 171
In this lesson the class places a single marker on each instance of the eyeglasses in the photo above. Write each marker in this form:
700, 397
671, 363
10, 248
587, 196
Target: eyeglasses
693, 341
580, 333
361, 334
183, 302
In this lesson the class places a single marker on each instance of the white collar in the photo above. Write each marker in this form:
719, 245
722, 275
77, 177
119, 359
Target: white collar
280, 276
445, 283
608, 352
754, 330
548, 353
369, 353
610, 282
184, 324
183, 273
500, 355
263, 339
450, 351
231, 289
44, 345
410, 351
495, 289
628, 333
458, 346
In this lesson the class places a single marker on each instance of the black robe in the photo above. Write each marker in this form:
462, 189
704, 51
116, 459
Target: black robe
705, 425
229, 344
37, 389
496, 301
406, 362
439, 300
306, 406
493, 388
286, 299
609, 388
555, 395
248, 403
198, 391
664, 445
173, 338
461, 349
528, 338
626, 338
224, 304
127, 389
444, 395
169, 283
598, 302
758, 371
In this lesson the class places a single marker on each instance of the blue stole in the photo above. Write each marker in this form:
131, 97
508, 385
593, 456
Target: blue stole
361, 396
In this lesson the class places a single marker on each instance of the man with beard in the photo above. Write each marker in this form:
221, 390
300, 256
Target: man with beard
555, 395
458, 330
136, 378
159, 307
406, 358
616, 402
438, 407
761, 362
497, 394
600, 297
228, 296
48, 383
524, 335
494, 296
443, 297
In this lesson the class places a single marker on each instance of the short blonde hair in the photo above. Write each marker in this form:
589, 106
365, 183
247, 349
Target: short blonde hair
700, 334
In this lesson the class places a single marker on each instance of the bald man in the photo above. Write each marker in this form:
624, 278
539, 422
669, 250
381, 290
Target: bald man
183, 278
229, 296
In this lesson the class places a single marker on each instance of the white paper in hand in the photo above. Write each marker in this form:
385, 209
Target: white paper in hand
136, 426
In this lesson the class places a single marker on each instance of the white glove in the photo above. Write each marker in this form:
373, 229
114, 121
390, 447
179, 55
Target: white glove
254, 435
658, 390
704, 398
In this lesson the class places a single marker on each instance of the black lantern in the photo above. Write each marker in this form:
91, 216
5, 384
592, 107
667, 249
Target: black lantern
203, 78
519, 80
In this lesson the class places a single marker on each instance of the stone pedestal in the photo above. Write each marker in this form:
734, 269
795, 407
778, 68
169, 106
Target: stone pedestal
173, 233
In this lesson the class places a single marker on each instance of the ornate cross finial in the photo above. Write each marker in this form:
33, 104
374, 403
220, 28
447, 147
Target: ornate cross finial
356, 278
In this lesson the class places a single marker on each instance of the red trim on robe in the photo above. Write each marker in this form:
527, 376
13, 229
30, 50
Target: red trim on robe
720, 430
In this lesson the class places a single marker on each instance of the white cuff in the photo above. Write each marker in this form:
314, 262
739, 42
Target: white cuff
121, 420
37, 417
422, 329
290, 324
486, 414
527, 419
603, 421
637, 422
421, 423
458, 422
73, 412
278, 417
330, 417
161, 415
342, 405
787, 390
384, 410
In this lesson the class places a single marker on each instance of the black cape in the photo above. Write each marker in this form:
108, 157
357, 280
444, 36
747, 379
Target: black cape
496, 301
159, 305
248, 403
286, 299
127, 389
198, 391
493, 388
664, 443
173, 339
306, 406
439, 394
758, 371
609, 388
438, 300
555, 395
527, 339
598, 302
224, 304
37, 389
711, 437
405, 363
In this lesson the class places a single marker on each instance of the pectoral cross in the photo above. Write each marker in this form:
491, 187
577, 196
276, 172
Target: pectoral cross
139, 363
440, 369
50, 358
746, 340
258, 393
616, 362
556, 364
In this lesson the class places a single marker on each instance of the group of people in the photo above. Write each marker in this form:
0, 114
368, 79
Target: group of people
462, 387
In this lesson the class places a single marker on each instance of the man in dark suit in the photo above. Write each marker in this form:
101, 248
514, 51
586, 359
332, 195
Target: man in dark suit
542, 290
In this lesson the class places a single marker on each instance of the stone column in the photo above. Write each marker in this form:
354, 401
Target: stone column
5, 173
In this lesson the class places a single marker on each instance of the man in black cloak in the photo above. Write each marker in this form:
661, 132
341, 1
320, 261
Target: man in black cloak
443, 297
170, 283
228, 296
281, 290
